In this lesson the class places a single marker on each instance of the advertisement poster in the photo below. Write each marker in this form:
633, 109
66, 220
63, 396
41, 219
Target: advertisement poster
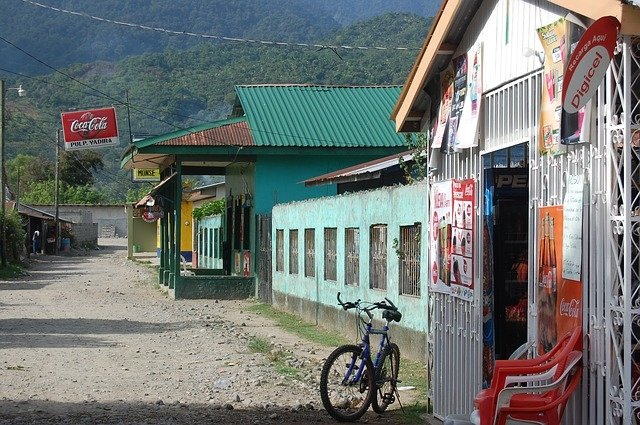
440, 240
461, 273
451, 243
446, 89
555, 46
88, 129
466, 136
559, 300
457, 103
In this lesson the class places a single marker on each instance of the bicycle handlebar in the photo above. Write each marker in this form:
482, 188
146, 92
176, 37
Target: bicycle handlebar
387, 304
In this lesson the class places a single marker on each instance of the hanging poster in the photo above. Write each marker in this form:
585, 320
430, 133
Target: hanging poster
451, 243
457, 103
440, 240
442, 121
572, 228
554, 44
466, 136
461, 273
559, 300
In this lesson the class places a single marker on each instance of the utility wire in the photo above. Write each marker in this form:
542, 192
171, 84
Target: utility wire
209, 36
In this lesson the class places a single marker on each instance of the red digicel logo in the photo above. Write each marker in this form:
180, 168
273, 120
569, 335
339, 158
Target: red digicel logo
89, 125
589, 62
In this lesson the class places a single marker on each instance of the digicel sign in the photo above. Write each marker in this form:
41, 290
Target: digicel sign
589, 62
94, 128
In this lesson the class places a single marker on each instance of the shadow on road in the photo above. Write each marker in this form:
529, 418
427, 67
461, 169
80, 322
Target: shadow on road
62, 333
122, 413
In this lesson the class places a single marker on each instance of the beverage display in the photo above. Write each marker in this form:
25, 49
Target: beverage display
547, 287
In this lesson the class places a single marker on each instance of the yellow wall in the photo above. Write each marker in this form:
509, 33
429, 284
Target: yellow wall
186, 236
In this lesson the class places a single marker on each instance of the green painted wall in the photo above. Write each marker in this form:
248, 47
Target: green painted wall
396, 206
279, 177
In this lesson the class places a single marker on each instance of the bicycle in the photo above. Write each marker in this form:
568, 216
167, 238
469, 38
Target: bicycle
350, 380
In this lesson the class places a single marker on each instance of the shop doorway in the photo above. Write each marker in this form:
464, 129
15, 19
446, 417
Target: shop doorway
506, 189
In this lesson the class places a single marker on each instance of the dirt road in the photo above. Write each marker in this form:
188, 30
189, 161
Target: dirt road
90, 340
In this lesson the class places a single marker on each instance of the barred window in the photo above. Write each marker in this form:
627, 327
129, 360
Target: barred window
309, 252
279, 250
352, 256
293, 251
330, 254
409, 252
378, 256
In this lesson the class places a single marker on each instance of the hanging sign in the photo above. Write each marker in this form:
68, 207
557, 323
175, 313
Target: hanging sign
589, 62
146, 175
88, 129
451, 242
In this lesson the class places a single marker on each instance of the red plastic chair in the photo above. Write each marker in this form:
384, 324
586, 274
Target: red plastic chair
508, 372
542, 404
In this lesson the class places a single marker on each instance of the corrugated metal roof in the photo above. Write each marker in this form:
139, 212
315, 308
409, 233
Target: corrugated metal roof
231, 132
363, 171
320, 116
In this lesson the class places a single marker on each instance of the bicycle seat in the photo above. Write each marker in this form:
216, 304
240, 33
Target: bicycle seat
390, 315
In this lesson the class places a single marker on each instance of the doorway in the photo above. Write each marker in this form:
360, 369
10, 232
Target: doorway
506, 219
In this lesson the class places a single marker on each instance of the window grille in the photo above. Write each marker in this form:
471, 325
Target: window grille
378, 257
352, 256
309, 252
279, 250
410, 260
330, 254
293, 251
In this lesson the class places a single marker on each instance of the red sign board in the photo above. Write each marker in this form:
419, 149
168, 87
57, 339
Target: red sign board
94, 128
589, 62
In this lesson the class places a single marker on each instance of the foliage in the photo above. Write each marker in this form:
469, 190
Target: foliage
135, 194
208, 209
43, 193
417, 168
187, 83
15, 235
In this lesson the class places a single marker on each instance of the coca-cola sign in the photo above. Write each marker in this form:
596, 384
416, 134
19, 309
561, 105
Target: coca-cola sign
94, 128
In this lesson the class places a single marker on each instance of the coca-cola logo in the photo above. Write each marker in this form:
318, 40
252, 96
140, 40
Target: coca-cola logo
88, 125
569, 308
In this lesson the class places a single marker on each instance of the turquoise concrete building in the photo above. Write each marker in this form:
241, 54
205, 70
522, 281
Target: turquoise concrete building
366, 245
277, 137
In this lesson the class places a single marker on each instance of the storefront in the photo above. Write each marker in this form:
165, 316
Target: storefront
556, 200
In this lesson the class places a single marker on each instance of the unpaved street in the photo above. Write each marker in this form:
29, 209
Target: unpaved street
90, 340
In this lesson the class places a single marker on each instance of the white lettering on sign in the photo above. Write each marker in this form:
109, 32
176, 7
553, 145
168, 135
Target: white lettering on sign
569, 308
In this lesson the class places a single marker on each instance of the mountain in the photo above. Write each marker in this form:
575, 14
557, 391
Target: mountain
178, 88
61, 39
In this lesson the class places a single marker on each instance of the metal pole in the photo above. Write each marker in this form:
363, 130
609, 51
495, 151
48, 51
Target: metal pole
3, 249
57, 192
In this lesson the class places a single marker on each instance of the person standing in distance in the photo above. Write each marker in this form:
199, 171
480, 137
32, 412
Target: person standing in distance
36, 241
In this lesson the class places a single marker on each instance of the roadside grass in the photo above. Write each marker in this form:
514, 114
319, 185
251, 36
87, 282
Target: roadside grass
412, 374
11, 271
292, 323
275, 356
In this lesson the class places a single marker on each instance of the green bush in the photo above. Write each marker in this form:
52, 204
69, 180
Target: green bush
16, 237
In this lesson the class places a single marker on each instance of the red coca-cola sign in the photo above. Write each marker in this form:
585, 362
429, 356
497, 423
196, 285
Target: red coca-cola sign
94, 128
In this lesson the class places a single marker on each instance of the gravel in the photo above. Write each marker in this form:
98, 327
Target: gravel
89, 339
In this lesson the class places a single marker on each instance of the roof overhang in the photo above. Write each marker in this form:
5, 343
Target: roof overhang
409, 112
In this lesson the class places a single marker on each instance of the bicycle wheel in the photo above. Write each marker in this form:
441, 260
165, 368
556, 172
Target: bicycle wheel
386, 377
345, 397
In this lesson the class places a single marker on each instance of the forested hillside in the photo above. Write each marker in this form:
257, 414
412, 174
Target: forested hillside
61, 38
176, 88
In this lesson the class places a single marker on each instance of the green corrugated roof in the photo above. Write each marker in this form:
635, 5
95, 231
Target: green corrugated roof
320, 116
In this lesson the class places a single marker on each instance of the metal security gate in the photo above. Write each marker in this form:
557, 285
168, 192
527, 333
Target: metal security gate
264, 259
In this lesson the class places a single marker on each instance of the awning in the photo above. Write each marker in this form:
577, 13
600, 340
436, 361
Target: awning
146, 199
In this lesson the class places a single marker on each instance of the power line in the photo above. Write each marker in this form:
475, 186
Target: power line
215, 37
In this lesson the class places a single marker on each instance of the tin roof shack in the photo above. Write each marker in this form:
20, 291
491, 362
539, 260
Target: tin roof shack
555, 198
278, 136
36, 219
